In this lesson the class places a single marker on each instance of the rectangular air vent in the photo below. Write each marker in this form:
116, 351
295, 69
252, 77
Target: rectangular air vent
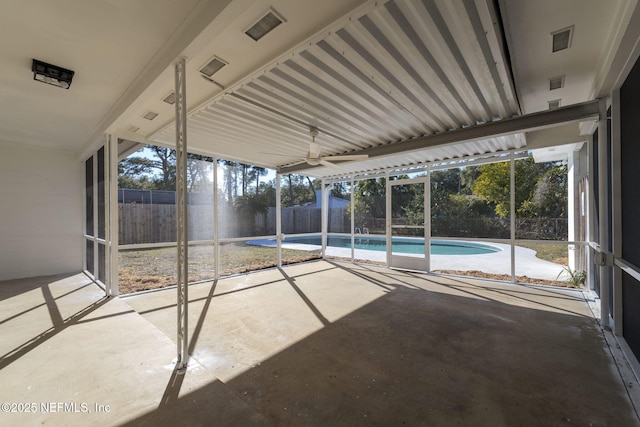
133, 129
556, 83
561, 39
212, 67
265, 25
150, 115
554, 104
170, 99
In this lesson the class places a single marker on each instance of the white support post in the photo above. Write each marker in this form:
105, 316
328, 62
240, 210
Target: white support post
573, 206
603, 213
591, 215
182, 216
216, 223
353, 221
94, 232
324, 215
112, 216
427, 219
616, 180
278, 222
512, 192
388, 219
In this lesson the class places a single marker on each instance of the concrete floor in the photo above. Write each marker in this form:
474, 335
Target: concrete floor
313, 344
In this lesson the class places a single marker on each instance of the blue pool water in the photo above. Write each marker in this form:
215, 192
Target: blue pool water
405, 245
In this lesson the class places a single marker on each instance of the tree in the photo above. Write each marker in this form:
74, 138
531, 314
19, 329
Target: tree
157, 172
230, 177
494, 185
541, 188
369, 202
300, 190
199, 171
550, 195
166, 164
257, 173
247, 206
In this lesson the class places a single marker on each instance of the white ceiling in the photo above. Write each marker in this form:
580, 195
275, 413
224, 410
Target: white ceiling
529, 26
366, 73
107, 43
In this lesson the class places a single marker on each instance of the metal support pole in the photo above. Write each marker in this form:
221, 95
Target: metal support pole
388, 219
324, 215
278, 222
512, 192
427, 218
182, 215
353, 220
216, 222
616, 180
112, 216
591, 215
603, 212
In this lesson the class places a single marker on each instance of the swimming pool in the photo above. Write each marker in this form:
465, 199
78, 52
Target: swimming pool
405, 245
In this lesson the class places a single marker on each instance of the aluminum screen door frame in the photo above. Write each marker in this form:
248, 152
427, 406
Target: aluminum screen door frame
418, 262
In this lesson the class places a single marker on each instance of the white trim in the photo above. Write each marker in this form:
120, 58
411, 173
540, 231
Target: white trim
628, 268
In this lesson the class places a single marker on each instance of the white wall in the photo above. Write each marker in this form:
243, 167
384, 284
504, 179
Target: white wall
40, 212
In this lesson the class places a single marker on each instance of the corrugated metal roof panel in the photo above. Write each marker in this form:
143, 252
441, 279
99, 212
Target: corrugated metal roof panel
405, 69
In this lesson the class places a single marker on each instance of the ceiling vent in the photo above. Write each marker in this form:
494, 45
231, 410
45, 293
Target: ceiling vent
554, 104
170, 99
150, 115
562, 39
212, 67
265, 25
133, 129
556, 83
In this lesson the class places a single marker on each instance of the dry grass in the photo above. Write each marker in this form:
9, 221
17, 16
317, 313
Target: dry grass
553, 252
147, 269
157, 268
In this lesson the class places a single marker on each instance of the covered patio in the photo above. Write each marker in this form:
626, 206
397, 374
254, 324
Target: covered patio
313, 344
396, 105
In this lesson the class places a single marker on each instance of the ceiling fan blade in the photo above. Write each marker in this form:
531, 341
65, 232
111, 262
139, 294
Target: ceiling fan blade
328, 164
349, 157
296, 163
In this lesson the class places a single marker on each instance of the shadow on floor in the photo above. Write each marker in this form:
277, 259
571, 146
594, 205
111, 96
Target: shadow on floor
417, 357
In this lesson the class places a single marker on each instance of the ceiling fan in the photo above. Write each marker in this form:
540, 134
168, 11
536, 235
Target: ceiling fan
315, 159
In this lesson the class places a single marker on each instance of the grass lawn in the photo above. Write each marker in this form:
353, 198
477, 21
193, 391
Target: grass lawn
553, 252
144, 269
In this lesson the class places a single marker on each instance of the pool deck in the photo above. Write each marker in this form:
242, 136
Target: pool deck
527, 264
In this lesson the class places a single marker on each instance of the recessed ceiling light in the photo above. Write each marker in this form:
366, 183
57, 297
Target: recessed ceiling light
556, 83
265, 25
212, 67
561, 39
554, 104
150, 115
133, 129
171, 98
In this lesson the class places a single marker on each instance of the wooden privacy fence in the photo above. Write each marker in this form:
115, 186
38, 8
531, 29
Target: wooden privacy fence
147, 223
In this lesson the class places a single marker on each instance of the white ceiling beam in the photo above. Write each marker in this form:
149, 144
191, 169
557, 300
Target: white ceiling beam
527, 123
